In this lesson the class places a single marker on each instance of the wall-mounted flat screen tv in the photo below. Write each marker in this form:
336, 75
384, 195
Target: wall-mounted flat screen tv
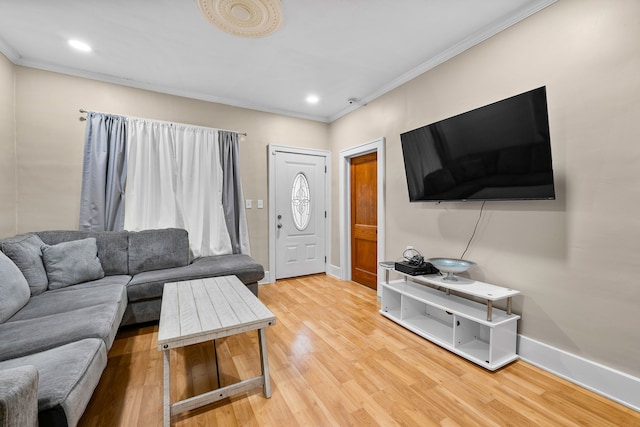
501, 151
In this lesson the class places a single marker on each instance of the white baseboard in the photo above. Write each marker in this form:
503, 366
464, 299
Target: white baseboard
608, 382
615, 385
334, 271
266, 279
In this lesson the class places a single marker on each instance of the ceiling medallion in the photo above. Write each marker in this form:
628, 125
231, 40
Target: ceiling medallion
246, 18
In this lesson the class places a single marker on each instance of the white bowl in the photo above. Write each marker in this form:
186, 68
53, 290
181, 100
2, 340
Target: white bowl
451, 266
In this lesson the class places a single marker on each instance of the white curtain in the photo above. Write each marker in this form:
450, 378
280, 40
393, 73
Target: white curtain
175, 180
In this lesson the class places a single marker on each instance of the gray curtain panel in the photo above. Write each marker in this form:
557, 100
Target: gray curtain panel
231, 186
104, 173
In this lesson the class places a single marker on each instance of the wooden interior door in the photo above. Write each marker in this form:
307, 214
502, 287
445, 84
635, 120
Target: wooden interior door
364, 220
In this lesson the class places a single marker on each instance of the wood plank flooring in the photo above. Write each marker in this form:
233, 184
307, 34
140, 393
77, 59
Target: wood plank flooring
335, 361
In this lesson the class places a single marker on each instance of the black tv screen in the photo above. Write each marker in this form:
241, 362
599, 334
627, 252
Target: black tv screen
501, 151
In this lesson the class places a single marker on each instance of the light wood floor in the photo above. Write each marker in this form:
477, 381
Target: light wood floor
335, 361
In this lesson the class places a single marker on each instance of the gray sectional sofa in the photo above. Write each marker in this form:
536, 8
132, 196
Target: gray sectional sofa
63, 296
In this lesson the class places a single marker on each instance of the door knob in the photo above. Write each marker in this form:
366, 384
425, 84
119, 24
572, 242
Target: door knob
279, 225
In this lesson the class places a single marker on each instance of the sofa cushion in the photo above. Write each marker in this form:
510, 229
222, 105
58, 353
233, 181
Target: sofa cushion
24, 251
157, 249
240, 265
19, 396
23, 337
120, 279
71, 298
112, 246
73, 262
151, 283
68, 375
14, 289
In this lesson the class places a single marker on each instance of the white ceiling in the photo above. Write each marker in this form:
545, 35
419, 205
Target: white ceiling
336, 49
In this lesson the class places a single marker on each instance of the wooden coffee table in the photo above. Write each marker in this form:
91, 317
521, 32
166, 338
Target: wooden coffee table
195, 311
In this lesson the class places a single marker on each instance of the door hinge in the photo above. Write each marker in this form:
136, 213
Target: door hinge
325, 169
325, 214
325, 259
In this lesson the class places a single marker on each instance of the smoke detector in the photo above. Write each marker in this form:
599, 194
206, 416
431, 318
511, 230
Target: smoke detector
245, 18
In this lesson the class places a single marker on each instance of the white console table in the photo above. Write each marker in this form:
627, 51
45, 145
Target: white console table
478, 332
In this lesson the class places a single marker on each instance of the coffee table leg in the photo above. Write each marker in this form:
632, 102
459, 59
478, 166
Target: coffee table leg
167, 388
215, 352
264, 360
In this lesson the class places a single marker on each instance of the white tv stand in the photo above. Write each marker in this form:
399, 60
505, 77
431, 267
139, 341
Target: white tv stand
480, 333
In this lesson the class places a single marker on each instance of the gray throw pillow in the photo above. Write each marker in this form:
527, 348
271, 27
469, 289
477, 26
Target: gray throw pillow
72, 262
24, 251
14, 289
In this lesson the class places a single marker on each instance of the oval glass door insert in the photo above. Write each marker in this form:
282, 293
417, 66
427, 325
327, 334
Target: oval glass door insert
300, 201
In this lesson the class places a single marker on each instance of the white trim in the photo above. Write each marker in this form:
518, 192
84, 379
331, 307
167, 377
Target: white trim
11, 54
334, 271
444, 56
610, 383
271, 150
345, 202
438, 59
106, 78
266, 279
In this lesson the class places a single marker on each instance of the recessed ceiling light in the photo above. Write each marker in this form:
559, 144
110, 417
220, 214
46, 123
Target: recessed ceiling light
81, 46
312, 99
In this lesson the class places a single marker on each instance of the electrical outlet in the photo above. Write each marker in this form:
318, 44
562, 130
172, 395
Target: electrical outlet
260, 204
247, 203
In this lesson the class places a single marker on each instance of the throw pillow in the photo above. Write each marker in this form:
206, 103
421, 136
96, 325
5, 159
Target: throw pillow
73, 262
24, 251
14, 289
112, 246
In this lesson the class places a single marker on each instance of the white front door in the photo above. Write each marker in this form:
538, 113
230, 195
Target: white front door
300, 214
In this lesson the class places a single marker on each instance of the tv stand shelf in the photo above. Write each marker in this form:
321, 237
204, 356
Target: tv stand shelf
475, 331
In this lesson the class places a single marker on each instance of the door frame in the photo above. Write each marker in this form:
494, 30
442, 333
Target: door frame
346, 155
272, 149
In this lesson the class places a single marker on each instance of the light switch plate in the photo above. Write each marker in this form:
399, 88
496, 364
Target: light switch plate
247, 203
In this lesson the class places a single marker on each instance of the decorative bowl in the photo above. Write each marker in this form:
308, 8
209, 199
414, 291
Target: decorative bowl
451, 266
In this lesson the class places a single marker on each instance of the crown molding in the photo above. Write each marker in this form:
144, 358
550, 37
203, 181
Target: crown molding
106, 78
434, 61
444, 56
9, 52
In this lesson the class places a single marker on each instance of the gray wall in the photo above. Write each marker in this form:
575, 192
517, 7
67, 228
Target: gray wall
576, 259
7, 149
